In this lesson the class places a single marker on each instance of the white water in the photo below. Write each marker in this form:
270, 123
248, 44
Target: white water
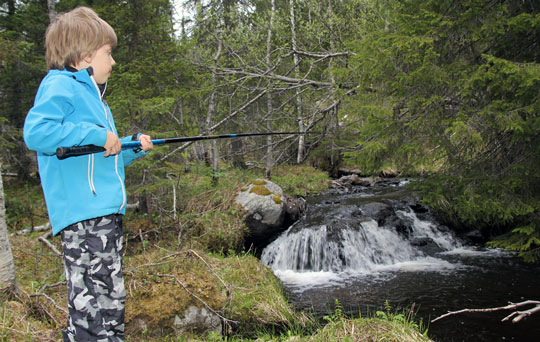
316, 255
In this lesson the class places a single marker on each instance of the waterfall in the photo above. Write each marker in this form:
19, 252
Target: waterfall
355, 244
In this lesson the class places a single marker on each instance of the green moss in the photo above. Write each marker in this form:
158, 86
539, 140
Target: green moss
257, 297
260, 190
162, 285
277, 199
259, 182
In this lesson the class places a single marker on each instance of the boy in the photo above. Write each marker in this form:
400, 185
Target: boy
85, 195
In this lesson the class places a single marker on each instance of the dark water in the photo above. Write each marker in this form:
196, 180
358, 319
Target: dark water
482, 282
459, 277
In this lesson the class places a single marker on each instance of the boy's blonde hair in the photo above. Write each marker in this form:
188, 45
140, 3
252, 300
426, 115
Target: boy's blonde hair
74, 35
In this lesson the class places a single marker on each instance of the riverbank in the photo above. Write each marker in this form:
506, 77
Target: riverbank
194, 258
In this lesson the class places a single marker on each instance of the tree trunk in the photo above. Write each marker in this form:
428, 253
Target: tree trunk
52, 10
7, 266
335, 156
301, 142
269, 115
212, 109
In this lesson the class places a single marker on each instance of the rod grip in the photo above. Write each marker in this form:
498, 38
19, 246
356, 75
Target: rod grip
66, 152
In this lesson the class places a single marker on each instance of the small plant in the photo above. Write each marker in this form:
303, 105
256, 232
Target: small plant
406, 317
338, 314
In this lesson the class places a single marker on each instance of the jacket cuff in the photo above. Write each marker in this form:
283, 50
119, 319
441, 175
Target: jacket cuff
135, 137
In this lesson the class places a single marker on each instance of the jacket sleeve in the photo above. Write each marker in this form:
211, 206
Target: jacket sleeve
46, 127
130, 155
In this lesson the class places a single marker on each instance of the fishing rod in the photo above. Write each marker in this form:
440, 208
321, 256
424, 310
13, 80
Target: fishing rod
67, 152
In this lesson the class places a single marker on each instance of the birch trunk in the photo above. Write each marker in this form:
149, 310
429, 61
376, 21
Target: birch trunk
7, 266
212, 109
52, 10
335, 156
269, 148
301, 141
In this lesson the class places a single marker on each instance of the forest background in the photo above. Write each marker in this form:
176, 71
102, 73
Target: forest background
448, 91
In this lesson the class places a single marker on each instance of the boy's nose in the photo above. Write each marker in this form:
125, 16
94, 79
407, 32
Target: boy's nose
113, 62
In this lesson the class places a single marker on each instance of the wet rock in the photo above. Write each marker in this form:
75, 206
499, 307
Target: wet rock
426, 245
294, 209
266, 207
378, 211
355, 180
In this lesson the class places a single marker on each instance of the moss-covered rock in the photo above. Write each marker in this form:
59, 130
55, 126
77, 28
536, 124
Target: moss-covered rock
265, 208
257, 297
260, 190
163, 287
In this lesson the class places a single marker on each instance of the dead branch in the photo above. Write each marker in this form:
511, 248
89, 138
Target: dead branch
214, 273
161, 261
319, 55
276, 77
50, 300
41, 228
132, 205
43, 239
46, 286
518, 315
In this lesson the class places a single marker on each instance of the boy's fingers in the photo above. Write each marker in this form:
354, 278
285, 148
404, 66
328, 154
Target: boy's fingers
112, 145
146, 142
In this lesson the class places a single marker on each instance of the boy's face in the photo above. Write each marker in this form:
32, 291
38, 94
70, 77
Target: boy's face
102, 62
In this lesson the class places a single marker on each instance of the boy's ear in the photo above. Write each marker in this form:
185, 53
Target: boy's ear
88, 59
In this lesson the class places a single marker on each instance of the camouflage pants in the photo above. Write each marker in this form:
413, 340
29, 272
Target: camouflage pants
95, 285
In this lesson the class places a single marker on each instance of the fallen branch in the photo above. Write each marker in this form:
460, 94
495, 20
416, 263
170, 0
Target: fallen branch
47, 286
43, 238
41, 228
50, 300
132, 205
215, 274
518, 315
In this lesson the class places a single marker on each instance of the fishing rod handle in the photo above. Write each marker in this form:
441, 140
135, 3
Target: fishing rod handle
67, 152
75, 151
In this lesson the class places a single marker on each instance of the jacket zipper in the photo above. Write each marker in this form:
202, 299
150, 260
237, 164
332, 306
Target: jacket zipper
91, 177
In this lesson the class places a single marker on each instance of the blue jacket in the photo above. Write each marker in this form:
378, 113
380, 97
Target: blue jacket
69, 111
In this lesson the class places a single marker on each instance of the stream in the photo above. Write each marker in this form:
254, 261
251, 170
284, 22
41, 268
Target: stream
371, 245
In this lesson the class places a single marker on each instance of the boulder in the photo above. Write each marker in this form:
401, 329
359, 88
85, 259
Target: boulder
355, 180
265, 206
198, 320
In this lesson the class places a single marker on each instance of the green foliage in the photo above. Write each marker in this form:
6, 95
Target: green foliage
452, 88
300, 180
338, 314
525, 240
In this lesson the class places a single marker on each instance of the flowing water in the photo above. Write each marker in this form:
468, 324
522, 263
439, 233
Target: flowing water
368, 246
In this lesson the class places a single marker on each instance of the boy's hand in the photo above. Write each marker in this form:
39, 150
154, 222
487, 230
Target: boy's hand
112, 145
146, 142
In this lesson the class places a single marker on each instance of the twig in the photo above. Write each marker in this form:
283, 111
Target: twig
43, 238
142, 240
160, 261
51, 300
215, 274
46, 286
512, 306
